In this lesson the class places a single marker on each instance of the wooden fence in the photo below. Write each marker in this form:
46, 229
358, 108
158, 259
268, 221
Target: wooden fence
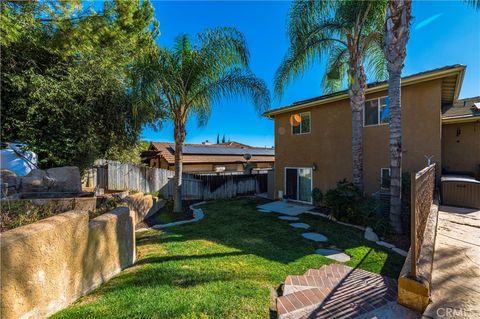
422, 188
115, 176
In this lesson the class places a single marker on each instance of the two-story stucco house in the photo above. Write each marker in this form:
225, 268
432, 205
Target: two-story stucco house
313, 137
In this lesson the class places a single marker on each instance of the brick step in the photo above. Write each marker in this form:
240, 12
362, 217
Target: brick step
300, 303
298, 283
334, 291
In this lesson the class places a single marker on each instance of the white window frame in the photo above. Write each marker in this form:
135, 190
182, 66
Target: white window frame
378, 112
310, 120
381, 178
298, 184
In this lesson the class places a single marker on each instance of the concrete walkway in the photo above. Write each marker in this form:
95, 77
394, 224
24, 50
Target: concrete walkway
456, 267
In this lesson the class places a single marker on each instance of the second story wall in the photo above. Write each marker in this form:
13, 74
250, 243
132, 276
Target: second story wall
328, 144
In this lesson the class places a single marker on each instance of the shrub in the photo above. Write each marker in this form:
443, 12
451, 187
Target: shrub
317, 196
18, 213
342, 199
347, 203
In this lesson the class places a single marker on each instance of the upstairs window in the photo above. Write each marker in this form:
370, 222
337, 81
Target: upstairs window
376, 112
300, 123
385, 178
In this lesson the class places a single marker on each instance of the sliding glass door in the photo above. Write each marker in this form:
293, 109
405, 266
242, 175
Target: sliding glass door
298, 184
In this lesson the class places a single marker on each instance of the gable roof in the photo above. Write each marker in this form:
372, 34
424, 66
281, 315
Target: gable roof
230, 152
452, 77
464, 109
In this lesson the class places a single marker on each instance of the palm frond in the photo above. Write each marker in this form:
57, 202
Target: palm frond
233, 84
300, 57
473, 3
375, 61
304, 13
224, 46
337, 67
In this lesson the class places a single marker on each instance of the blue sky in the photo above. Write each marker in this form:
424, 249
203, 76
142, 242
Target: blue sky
442, 33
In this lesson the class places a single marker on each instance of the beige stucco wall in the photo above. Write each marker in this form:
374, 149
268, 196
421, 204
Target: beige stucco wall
197, 167
47, 265
329, 143
461, 152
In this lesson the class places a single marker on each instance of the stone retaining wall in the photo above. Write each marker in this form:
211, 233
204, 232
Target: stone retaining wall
47, 265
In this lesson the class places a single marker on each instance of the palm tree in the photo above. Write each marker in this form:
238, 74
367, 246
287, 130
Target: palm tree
349, 34
189, 78
473, 3
397, 31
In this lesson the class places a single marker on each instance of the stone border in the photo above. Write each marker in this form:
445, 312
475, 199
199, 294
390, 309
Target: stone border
198, 215
382, 243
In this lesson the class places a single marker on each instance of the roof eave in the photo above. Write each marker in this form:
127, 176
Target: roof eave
460, 119
460, 70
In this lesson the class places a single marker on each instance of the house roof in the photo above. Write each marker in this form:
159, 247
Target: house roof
452, 77
230, 152
464, 109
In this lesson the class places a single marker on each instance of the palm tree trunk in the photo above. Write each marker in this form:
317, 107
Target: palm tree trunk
394, 93
397, 25
179, 133
357, 102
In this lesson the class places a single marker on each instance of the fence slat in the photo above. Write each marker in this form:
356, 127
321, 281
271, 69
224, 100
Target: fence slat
421, 196
116, 176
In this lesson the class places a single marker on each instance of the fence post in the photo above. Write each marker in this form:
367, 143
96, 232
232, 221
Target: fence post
413, 227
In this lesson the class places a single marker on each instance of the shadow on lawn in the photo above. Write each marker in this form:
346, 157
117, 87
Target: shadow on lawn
238, 224
150, 260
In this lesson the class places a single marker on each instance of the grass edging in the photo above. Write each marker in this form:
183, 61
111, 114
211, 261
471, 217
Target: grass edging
198, 215
382, 243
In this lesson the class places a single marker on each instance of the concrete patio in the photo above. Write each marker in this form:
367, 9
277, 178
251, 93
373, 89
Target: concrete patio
456, 267
286, 208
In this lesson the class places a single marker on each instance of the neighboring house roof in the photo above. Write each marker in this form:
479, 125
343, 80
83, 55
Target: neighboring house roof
452, 77
462, 110
230, 152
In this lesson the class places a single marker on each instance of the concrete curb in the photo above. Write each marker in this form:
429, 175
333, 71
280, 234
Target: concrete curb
198, 215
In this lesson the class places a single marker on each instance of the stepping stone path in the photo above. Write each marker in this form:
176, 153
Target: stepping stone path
334, 254
315, 236
288, 218
300, 225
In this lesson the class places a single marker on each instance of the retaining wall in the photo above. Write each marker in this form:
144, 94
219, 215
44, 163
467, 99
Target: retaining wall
47, 265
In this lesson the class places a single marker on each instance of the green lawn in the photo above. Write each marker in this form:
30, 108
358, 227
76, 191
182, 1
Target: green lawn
229, 265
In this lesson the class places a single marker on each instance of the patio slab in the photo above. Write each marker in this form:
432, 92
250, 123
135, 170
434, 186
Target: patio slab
456, 265
334, 254
300, 225
291, 218
286, 208
315, 237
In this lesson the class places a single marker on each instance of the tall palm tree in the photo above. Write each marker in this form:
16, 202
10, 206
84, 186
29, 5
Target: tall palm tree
189, 78
397, 32
473, 3
349, 35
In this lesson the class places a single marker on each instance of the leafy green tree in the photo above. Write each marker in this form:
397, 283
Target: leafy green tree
218, 138
68, 88
397, 31
348, 35
130, 155
193, 75
223, 138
